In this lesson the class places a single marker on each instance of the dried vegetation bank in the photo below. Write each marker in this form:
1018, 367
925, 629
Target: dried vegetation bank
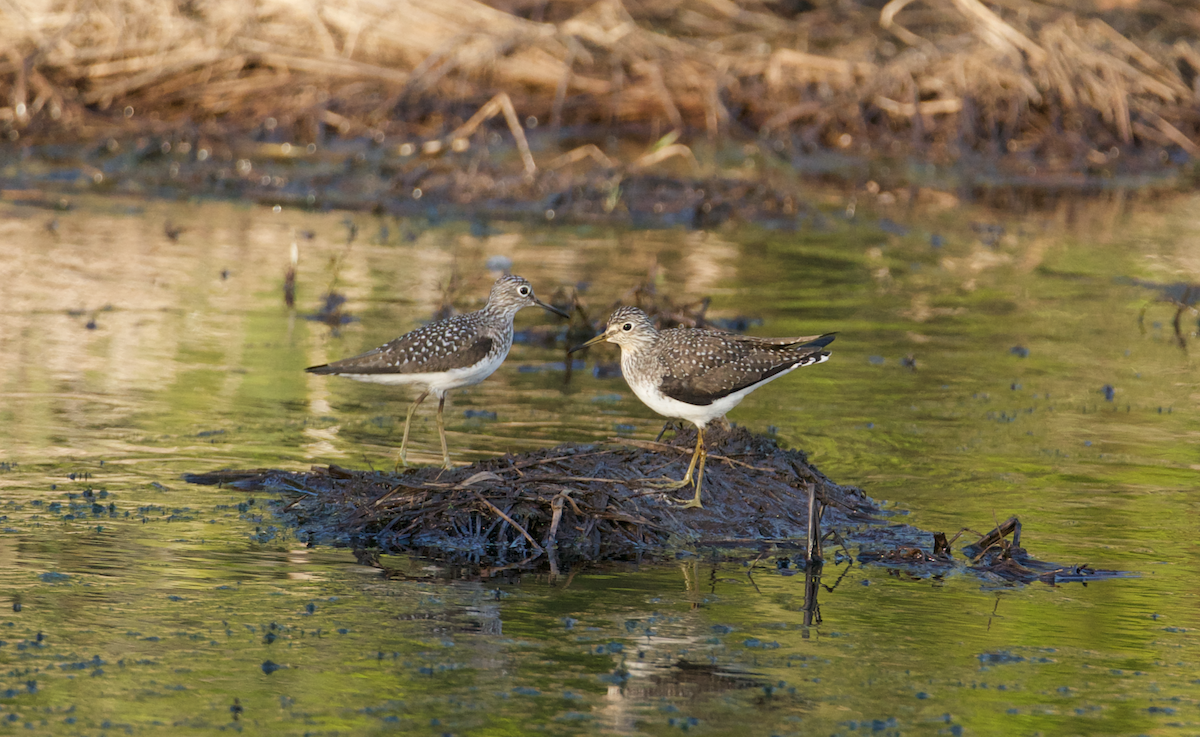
1067, 84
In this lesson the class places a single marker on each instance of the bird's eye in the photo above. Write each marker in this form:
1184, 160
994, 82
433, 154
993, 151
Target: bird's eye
627, 327
524, 291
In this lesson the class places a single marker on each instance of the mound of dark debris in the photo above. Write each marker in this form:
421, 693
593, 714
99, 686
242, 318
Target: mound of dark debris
585, 503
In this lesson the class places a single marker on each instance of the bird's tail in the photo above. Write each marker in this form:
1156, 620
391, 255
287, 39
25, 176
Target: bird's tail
818, 342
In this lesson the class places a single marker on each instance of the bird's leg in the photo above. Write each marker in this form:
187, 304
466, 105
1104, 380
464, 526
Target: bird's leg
668, 425
407, 422
667, 484
695, 502
442, 432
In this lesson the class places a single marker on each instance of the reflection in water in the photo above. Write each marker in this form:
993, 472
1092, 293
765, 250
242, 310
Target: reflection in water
135, 603
812, 587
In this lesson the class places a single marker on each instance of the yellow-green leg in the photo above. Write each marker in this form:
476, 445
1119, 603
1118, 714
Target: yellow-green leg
442, 432
407, 423
698, 455
695, 502
668, 425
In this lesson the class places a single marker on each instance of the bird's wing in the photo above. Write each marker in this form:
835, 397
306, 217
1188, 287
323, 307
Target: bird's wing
818, 341
447, 344
702, 367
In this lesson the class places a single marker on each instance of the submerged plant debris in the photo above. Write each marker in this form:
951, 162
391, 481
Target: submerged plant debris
583, 503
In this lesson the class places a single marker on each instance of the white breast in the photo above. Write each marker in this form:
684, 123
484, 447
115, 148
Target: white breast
701, 415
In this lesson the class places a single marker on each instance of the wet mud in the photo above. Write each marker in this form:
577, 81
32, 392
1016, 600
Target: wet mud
575, 504
738, 183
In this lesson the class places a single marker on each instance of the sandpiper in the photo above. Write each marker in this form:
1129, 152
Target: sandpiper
448, 354
699, 375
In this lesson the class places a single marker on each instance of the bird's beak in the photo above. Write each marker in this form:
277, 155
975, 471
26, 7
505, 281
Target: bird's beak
598, 339
550, 308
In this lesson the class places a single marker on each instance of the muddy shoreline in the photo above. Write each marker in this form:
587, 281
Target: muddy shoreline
745, 183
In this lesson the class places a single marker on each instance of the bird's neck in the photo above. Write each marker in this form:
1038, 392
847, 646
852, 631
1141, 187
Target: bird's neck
639, 357
497, 312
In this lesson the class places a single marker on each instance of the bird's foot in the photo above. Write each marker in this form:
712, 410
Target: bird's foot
693, 503
666, 483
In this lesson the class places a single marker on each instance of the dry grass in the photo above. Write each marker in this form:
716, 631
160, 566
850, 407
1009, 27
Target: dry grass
1060, 80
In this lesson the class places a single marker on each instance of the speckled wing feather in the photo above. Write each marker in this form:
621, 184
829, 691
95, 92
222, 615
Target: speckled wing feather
701, 366
447, 344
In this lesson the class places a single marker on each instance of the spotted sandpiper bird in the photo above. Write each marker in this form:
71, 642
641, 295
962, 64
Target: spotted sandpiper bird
448, 354
699, 375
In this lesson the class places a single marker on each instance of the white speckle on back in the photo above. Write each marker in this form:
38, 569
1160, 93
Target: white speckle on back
446, 354
711, 371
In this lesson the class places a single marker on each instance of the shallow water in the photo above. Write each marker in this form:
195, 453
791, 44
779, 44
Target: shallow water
137, 604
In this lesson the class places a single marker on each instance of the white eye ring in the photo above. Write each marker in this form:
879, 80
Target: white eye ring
524, 291
627, 327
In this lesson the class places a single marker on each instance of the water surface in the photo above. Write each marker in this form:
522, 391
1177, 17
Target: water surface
968, 383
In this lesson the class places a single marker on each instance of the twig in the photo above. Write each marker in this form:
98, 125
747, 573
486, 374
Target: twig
556, 507
812, 548
501, 103
887, 18
509, 520
539, 462
664, 153
1000, 531
397, 487
290, 486
619, 517
997, 33
651, 445
713, 542
750, 575
812, 588
583, 479
587, 151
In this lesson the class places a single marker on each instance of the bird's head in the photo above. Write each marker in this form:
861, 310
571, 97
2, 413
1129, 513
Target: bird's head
628, 327
511, 293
